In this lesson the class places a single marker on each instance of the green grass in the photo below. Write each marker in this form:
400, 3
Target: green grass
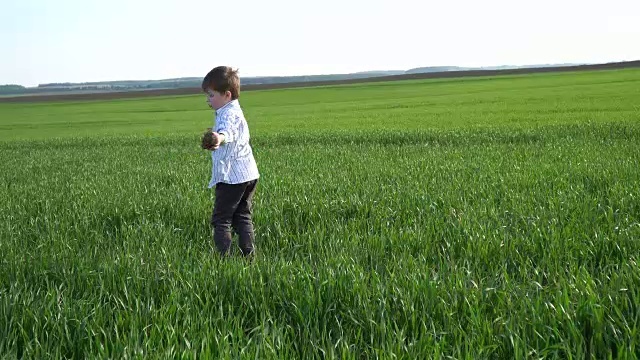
475, 218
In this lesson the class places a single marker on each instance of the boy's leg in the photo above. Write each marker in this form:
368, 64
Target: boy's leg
242, 219
228, 198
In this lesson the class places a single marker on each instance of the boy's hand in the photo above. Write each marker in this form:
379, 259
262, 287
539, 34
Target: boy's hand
211, 140
217, 140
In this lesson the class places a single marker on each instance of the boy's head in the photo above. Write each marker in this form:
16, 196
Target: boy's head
221, 85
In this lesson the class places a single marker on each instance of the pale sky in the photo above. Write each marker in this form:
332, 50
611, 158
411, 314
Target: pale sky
43, 41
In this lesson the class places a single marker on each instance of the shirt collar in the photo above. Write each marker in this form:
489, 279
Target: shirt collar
227, 106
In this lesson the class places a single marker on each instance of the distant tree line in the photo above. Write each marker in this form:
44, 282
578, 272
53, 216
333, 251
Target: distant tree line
11, 89
194, 82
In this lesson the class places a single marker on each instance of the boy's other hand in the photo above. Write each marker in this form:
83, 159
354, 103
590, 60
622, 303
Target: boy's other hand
208, 140
211, 140
217, 140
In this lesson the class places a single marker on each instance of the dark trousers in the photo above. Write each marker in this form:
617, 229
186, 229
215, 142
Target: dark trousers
233, 208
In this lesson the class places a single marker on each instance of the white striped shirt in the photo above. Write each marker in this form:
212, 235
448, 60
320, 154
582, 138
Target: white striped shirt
232, 162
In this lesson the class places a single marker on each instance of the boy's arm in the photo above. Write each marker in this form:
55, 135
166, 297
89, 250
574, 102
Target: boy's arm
227, 128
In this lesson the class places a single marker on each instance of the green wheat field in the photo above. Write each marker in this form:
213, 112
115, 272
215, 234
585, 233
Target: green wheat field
476, 218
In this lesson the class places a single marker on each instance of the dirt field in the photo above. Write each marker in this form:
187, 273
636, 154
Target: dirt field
438, 75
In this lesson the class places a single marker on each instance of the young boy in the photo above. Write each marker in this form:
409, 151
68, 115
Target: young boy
234, 171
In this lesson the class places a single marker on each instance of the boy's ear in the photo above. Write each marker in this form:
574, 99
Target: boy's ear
227, 93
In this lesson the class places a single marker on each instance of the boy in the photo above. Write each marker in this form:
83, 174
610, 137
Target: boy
234, 171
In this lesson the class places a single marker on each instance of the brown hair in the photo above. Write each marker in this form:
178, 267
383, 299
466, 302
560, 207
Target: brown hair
223, 79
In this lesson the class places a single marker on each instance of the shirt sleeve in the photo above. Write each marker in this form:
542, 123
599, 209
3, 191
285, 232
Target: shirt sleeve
228, 125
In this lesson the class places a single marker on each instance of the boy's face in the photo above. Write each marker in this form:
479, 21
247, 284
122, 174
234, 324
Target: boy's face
217, 100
